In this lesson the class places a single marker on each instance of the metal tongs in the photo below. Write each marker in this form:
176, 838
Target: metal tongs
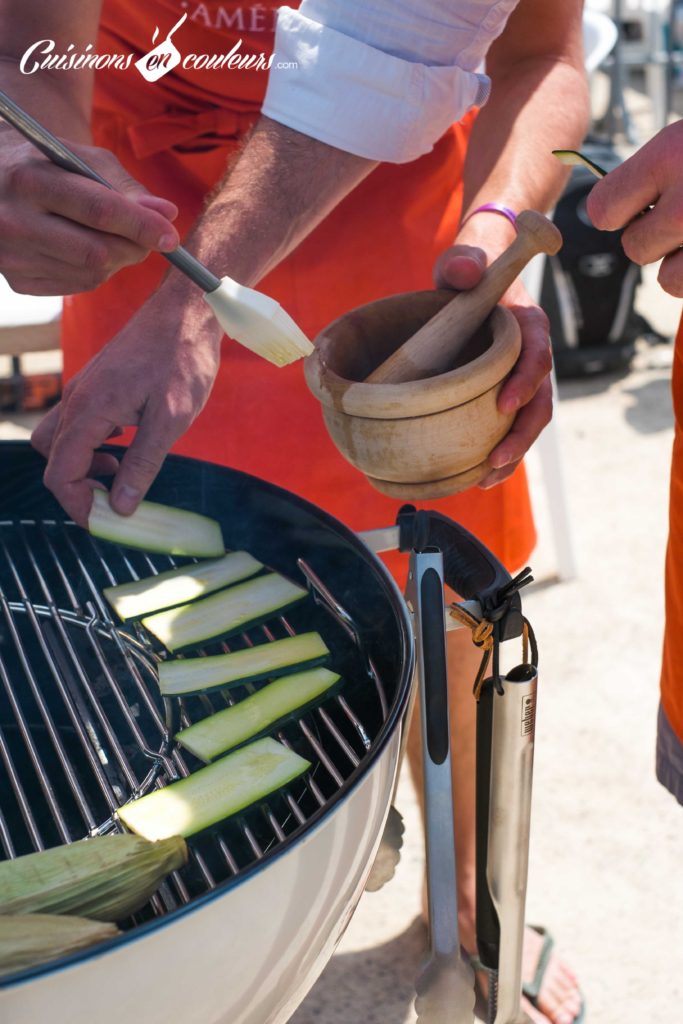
255, 320
443, 552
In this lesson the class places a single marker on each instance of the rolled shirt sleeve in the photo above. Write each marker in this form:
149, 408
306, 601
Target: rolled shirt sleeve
357, 97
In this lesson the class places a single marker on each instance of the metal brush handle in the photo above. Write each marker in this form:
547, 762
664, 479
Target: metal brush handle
59, 154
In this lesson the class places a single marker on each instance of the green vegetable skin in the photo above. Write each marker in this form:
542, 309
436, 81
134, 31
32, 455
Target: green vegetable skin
229, 611
108, 877
226, 729
160, 528
193, 675
572, 158
36, 938
178, 586
212, 794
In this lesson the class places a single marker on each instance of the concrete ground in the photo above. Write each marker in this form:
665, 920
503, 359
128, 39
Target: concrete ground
607, 840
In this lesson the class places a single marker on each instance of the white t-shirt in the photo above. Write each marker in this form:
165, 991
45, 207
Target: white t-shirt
383, 79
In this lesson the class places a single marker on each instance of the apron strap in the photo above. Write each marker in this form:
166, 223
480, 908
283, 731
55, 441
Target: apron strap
160, 133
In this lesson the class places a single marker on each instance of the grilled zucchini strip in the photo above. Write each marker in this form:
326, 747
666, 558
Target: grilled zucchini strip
212, 794
178, 586
227, 729
153, 527
281, 657
227, 612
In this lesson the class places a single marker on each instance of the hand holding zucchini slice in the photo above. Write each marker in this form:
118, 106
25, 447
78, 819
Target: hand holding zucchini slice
213, 793
226, 729
227, 612
153, 527
178, 586
279, 657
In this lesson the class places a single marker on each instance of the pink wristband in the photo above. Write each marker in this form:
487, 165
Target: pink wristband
505, 211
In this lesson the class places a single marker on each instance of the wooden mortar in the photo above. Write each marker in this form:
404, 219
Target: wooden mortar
421, 439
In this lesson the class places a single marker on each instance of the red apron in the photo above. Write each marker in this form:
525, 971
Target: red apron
176, 136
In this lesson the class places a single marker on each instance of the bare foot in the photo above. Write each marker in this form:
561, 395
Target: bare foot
559, 1000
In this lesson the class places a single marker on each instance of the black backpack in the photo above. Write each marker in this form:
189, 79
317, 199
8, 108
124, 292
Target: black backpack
589, 286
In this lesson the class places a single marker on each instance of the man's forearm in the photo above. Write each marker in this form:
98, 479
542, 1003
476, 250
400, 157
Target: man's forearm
535, 107
280, 187
61, 110
61, 100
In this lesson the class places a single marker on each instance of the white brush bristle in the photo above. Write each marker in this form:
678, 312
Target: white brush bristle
258, 322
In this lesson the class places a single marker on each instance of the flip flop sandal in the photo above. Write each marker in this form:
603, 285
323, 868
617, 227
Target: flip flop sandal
531, 989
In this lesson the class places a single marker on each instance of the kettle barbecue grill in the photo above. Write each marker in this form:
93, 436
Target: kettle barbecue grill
240, 934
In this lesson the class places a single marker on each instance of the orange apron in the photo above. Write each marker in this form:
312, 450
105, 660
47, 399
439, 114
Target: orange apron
176, 136
672, 661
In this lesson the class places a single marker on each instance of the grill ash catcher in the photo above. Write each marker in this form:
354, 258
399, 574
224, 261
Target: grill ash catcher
442, 552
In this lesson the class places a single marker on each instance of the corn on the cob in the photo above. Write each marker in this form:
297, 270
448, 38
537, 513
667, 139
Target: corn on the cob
35, 938
108, 877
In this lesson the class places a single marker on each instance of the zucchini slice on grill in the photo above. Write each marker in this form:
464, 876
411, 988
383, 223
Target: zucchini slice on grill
153, 527
178, 586
212, 794
229, 611
226, 729
192, 675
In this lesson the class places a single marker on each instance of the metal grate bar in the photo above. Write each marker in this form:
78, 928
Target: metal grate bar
20, 795
274, 824
118, 634
326, 599
334, 731
321, 752
5, 838
258, 852
74, 783
61, 671
295, 809
42, 776
355, 722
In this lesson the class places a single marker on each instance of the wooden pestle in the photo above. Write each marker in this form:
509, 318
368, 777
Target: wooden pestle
434, 348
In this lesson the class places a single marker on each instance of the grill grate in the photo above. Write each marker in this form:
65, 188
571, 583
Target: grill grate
83, 726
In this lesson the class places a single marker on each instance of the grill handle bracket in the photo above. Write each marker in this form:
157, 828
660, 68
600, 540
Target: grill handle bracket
468, 567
